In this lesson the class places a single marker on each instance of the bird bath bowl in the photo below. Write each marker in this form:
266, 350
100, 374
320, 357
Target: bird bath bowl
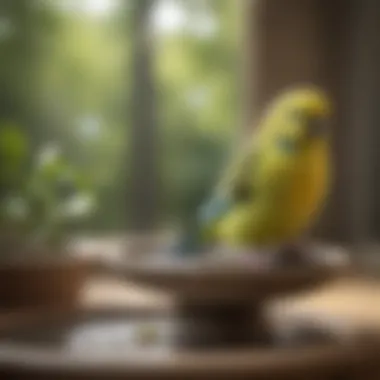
221, 303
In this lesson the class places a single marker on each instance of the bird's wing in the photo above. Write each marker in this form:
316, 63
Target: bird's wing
237, 186
239, 179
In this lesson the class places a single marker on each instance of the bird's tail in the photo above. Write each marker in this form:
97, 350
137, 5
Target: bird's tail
190, 241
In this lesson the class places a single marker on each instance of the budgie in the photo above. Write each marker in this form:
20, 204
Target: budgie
274, 189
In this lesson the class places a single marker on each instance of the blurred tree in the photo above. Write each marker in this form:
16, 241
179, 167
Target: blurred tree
144, 172
26, 32
198, 72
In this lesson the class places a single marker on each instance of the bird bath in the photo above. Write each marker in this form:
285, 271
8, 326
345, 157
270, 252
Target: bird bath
221, 302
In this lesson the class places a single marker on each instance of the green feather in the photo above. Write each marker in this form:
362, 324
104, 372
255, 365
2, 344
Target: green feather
213, 210
287, 145
192, 240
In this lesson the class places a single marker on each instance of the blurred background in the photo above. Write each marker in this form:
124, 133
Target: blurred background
148, 98
143, 96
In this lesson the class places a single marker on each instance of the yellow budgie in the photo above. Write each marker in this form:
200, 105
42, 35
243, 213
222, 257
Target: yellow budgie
278, 184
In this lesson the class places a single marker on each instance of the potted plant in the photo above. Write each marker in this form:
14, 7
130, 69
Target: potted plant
42, 196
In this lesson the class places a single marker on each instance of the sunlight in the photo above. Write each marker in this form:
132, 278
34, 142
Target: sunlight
91, 7
169, 17
99, 6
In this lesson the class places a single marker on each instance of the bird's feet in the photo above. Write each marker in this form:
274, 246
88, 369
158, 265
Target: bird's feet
245, 257
293, 255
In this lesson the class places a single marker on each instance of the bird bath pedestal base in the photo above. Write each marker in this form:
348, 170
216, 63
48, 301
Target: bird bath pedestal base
225, 324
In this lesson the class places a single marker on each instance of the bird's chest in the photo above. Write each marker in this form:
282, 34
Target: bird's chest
304, 187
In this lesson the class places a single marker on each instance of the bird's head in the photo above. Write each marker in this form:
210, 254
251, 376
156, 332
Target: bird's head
298, 117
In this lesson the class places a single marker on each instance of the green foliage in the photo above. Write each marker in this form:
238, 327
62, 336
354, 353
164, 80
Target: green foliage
13, 151
45, 200
58, 196
59, 69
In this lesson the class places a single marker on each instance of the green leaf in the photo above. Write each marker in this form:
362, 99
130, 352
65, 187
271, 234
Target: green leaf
13, 153
13, 143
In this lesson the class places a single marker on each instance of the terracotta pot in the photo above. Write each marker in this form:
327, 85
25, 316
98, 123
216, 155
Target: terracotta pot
33, 284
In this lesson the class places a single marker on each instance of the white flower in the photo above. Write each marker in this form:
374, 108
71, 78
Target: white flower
48, 154
78, 206
197, 97
90, 127
16, 208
